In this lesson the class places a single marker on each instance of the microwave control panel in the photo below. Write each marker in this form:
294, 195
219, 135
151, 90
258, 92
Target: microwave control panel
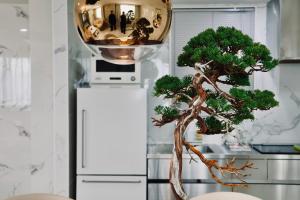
106, 72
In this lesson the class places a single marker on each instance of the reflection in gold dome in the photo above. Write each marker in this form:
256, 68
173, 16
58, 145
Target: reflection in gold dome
115, 25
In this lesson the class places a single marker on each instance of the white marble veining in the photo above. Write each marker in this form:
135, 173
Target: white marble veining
14, 152
15, 132
61, 96
42, 111
281, 124
79, 65
20, 12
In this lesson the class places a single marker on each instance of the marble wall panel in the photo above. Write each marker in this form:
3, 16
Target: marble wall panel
15, 135
15, 139
42, 112
61, 96
281, 124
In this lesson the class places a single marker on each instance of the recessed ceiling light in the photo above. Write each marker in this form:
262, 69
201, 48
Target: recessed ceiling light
23, 30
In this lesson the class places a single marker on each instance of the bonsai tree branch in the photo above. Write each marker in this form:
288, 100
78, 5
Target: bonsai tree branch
228, 168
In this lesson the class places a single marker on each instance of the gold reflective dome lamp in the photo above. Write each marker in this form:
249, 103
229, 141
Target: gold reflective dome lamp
123, 31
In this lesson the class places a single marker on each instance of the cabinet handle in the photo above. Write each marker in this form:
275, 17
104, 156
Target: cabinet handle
132, 182
83, 163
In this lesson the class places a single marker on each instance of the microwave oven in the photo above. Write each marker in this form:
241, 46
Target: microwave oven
106, 72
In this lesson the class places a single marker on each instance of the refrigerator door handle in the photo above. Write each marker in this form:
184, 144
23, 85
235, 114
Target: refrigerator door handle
83, 163
106, 181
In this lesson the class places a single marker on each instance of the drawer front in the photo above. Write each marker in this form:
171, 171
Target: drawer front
264, 191
163, 191
111, 188
284, 169
272, 191
258, 173
159, 169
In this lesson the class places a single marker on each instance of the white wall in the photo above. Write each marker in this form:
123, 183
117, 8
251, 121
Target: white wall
50, 97
281, 124
15, 136
14, 152
42, 148
34, 145
62, 123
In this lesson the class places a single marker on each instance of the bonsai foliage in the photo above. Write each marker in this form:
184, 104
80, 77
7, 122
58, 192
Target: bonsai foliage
142, 30
222, 57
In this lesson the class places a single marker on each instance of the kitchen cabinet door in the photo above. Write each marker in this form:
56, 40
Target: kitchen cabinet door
111, 188
111, 131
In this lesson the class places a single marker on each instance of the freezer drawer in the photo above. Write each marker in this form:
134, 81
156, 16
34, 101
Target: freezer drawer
111, 131
111, 188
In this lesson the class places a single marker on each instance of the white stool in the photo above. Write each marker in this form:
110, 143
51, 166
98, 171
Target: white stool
39, 197
225, 195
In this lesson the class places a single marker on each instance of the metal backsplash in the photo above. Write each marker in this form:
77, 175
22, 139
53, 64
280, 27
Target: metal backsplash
290, 31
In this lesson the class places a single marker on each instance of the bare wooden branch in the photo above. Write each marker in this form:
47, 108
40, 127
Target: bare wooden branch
229, 168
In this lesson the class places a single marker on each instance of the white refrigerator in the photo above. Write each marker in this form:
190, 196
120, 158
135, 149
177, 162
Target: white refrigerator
111, 143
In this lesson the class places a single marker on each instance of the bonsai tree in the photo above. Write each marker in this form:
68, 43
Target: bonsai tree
142, 30
222, 57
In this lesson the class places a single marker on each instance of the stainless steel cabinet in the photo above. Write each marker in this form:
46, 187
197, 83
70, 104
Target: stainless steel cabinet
284, 170
163, 191
159, 169
259, 173
272, 191
271, 180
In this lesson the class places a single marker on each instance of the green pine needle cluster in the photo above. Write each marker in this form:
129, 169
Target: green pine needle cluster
214, 125
218, 103
255, 100
174, 87
230, 50
167, 112
239, 80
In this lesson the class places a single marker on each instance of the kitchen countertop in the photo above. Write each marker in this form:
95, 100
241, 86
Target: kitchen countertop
164, 151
